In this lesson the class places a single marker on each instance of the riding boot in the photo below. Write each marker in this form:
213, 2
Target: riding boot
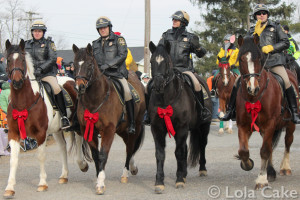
62, 109
213, 88
146, 116
75, 123
231, 106
291, 98
130, 114
204, 113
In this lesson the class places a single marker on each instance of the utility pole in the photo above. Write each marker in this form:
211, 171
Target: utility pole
147, 37
30, 21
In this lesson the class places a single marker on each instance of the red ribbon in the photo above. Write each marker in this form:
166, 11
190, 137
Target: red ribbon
21, 116
90, 119
166, 114
254, 108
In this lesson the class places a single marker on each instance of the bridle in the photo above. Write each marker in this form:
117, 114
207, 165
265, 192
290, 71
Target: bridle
19, 69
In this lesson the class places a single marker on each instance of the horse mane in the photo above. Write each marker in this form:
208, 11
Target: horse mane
249, 46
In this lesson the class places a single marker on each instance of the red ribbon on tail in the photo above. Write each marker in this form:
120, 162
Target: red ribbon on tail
254, 108
90, 119
166, 114
21, 116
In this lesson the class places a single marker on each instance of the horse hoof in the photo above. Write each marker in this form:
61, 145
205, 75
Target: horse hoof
100, 190
159, 189
230, 131
247, 166
135, 171
259, 186
9, 194
221, 131
42, 188
271, 178
179, 185
286, 172
86, 168
202, 173
63, 180
124, 180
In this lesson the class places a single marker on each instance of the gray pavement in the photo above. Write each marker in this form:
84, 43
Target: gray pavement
224, 173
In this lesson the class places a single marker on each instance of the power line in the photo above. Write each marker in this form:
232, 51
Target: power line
29, 21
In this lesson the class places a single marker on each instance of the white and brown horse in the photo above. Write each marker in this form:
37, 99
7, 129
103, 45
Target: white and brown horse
30, 113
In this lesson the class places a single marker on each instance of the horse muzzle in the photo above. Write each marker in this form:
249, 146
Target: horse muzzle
253, 91
17, 84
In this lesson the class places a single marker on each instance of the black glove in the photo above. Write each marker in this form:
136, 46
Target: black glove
104, 67
195, 42
38, 73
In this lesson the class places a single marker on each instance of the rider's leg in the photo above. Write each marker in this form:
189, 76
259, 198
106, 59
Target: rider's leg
290, 94
147, 99
231, 106
129, 106
59, 100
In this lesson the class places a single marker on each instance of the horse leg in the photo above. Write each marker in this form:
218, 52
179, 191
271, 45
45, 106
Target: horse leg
285, 168
83, 165
160, 144
271, 173
14, 158
243, 153
203, 142
265, 153
43, 186
60, 139
222, 113
229, 126
181, 157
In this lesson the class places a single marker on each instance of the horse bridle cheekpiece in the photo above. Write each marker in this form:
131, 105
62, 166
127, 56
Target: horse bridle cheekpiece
89, 73
19, 69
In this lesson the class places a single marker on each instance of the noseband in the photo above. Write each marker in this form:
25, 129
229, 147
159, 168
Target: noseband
19, 69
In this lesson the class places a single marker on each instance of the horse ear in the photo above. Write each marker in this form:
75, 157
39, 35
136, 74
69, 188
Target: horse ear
256, 39
89, 49
168, 46
22, 44
7, 44
240, 40
75, 48
152, 47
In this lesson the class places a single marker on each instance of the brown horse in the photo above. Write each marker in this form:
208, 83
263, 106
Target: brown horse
224, 84
260, 96
99, 106
30, 113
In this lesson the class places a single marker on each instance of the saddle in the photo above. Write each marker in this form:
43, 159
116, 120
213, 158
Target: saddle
120, 91
50, 93
188, 80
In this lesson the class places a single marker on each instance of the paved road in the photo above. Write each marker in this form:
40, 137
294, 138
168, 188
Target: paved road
224, 173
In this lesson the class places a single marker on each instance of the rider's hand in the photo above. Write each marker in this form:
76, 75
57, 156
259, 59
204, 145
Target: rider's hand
104, 67
258, 28
195, 42
38, 73
267, 49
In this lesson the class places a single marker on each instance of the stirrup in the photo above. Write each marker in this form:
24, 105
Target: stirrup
65, 123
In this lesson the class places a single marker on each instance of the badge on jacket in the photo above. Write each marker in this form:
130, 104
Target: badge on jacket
121, 41
42, 45
271, 29
53, 47
185, 39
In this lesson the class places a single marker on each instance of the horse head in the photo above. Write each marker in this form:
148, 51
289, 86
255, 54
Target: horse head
161, 65
224, 69
16, 63
85, 66
250, 57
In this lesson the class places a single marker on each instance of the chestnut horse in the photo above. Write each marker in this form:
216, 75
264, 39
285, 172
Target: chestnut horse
260, 96
99, 106
30, 113
224, 84
173, 110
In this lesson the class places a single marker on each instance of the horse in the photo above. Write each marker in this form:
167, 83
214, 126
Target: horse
30, 113
99, 106
224, 84
261, 106
173, 110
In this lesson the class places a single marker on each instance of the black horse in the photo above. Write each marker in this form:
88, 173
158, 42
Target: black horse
170, 91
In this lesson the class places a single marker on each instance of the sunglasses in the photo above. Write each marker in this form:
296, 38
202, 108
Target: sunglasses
261, 12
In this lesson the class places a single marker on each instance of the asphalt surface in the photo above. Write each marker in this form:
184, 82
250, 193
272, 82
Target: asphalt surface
224, 173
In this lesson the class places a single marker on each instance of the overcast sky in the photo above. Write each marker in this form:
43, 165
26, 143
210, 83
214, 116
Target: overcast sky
75, 20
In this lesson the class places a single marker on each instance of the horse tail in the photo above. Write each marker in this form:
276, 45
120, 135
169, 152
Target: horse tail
73, 144
139, 140
276, 138
86, 151
198, 142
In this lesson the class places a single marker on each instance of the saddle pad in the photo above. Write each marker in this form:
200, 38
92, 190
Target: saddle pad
280, 81
134, 93
205, 93
135, 96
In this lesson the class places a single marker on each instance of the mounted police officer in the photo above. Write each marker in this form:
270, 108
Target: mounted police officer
183, 44
43, 53
110, 52
273, 41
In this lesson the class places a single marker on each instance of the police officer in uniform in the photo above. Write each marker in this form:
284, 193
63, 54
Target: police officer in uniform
182, 44
110, 52
43, 53
273, 41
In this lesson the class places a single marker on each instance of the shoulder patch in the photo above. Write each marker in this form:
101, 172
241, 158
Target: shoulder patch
53, 47
121, 41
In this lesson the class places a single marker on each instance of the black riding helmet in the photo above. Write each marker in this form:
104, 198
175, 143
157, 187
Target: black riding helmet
260, 7
181, 16
103, 22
